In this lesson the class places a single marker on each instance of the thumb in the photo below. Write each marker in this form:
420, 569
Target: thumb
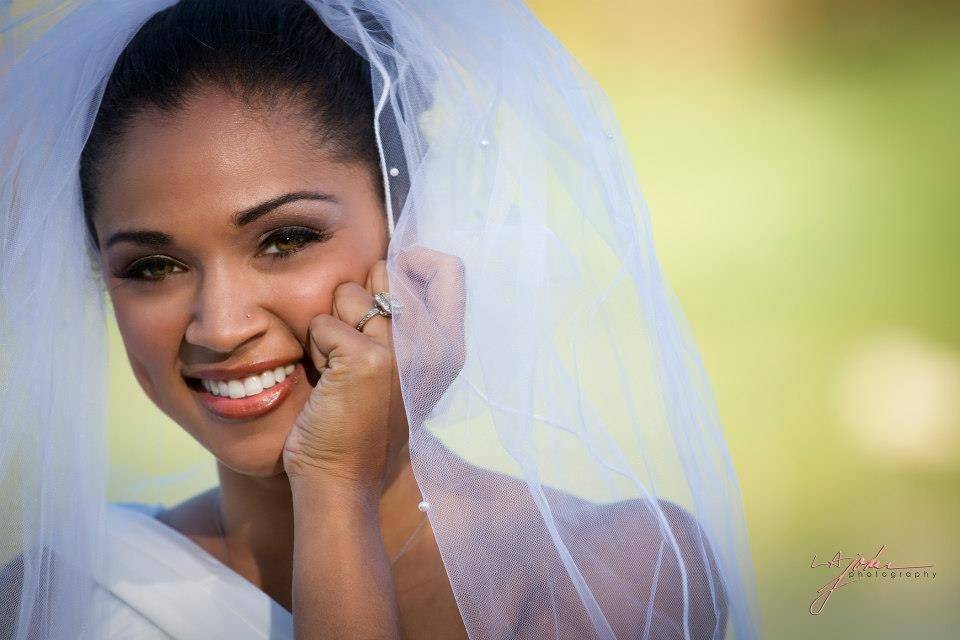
377, 278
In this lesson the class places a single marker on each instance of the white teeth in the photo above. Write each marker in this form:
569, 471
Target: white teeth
252, 385
249, 386
267, 380
236, 389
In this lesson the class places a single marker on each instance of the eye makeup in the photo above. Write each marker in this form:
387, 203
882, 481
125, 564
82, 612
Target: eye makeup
294, 238
279, 243
141, 268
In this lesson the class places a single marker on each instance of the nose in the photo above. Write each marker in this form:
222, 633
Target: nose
226, 313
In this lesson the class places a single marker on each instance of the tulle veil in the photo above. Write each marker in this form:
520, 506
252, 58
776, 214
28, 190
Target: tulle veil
581, 382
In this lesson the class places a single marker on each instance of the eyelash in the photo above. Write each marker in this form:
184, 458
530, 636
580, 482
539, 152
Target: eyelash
304, 235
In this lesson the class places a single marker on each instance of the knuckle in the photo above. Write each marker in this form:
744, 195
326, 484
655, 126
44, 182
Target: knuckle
320, 321
422, 252
345, 288
375, 360
419, 256
451, 262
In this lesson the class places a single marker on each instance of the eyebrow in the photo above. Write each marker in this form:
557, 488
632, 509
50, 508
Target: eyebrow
241, 218
147, 238
249, 215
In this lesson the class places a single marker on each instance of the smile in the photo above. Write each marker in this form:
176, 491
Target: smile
247, 397
249, 385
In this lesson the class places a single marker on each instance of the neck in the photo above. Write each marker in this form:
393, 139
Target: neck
258, 518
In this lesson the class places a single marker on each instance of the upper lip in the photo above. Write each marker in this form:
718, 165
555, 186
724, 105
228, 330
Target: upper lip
239, 371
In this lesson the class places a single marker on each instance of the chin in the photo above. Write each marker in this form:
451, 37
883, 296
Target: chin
254, 448
257, 464
252, 445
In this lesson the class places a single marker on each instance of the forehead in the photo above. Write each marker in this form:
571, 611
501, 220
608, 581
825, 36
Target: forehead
217, 154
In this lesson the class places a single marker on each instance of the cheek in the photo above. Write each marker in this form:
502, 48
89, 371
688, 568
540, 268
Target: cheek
151, 332
308, 291
301, 296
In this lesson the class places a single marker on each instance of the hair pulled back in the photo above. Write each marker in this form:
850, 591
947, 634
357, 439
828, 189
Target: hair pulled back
268, 53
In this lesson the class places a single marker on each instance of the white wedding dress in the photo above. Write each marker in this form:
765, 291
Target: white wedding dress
157, 583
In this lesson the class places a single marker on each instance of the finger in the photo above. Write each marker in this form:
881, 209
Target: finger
351, 302
418, 263
331, 339
377, 278
442, 280
438, 280
377, 281
445, 291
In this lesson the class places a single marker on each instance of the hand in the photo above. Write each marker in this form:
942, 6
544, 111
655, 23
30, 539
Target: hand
355, 417
433, 350
341, 432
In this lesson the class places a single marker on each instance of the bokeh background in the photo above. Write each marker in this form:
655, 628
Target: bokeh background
800, 159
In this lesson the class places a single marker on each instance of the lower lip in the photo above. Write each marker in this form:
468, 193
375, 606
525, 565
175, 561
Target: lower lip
250, 406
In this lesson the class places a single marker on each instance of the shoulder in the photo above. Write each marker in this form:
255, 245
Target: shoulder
193, 518
190, 514
625, 551
622, 552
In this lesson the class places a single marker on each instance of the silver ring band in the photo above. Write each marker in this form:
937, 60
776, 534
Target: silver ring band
384, 307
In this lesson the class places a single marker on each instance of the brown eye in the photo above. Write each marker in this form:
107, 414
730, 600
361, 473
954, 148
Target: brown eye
283, 244
153, 268
287, 241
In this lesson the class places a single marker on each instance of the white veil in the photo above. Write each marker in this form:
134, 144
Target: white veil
618, 512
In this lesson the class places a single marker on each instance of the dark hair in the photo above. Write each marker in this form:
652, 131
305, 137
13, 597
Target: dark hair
268, 53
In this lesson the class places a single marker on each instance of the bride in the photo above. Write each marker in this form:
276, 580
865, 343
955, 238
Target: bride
328, 247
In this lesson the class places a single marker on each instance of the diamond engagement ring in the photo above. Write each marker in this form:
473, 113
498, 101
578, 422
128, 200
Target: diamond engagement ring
386, 307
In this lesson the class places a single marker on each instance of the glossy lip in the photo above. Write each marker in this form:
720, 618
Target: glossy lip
236, 373
250, 406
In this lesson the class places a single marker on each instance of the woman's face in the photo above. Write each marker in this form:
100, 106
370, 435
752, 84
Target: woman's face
223, 232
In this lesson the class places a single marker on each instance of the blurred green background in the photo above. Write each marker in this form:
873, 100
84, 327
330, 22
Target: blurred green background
800, 162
